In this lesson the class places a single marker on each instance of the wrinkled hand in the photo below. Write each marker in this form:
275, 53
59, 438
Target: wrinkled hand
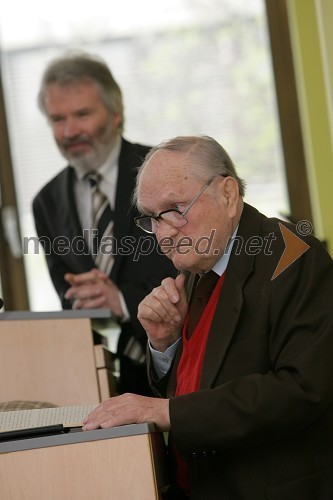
129, 409
162, 313
93, 290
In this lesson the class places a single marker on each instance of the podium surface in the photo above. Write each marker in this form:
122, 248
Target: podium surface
122, 463
51, 357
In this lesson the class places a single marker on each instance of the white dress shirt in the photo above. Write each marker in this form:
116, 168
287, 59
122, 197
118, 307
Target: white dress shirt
108, 186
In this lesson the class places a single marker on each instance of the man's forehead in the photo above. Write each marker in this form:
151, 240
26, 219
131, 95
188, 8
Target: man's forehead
163, 182
72, 83
166, 165
74, 90
71, 97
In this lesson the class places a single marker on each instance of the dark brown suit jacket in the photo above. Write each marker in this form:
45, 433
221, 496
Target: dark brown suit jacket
261, 425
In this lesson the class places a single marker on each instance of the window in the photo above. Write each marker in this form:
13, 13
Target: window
185, 67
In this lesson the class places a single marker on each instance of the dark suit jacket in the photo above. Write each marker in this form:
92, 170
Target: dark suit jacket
57, 221
261, 425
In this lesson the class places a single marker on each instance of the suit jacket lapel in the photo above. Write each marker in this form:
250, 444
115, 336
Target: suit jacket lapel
124, 211
230, 302
125, 186
71, 225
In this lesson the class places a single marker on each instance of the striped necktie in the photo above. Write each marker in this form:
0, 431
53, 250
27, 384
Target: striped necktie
102, 217
102, 224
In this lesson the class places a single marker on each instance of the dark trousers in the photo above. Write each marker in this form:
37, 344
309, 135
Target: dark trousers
133, 378
174, 493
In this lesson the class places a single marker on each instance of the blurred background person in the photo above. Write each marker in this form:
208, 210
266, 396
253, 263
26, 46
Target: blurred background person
95, 254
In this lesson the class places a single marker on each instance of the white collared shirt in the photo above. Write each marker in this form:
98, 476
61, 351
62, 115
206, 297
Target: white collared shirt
108, 186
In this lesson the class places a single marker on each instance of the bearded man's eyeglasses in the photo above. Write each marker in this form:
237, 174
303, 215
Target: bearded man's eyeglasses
173, 217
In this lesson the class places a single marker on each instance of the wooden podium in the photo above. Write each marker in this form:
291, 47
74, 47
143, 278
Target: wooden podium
123, 463
51, 357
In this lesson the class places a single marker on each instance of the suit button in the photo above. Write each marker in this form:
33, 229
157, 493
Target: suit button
194, 455
204, 453
214, 452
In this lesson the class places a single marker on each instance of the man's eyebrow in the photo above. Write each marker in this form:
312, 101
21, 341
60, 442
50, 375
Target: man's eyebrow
145, 212
84, 109
166, 203
148, 214
55, 116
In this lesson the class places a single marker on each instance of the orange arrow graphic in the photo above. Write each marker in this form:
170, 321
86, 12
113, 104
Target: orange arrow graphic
295, 247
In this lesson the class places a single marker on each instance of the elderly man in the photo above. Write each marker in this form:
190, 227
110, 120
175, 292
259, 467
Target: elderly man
243, 370
96, 255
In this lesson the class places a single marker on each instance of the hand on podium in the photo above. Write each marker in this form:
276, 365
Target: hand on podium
129, 409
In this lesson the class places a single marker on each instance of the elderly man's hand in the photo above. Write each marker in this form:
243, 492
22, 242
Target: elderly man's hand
129, 409
93, 290
162, 313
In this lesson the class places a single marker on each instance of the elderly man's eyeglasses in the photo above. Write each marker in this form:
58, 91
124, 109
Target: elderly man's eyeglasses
173, 217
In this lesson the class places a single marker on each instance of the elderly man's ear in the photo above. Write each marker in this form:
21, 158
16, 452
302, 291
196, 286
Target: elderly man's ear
229, 192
